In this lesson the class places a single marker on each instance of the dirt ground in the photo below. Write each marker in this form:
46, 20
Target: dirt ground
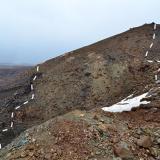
90, 135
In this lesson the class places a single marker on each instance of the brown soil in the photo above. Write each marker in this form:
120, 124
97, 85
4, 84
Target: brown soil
87, 135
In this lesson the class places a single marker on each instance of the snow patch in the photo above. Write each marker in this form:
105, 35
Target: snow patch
127, 104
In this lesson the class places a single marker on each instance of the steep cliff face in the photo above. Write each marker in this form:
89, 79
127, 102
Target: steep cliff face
92, 77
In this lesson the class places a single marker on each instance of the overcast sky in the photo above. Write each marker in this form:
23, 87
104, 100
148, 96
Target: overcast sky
32, 31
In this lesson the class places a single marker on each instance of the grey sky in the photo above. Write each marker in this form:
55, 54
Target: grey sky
32, 31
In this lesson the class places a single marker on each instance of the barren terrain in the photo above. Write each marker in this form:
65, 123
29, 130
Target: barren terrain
65, 120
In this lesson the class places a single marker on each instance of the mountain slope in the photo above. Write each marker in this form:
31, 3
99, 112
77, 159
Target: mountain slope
96, 75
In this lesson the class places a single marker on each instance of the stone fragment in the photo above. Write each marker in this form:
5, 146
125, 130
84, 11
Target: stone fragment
123, 152
144, 141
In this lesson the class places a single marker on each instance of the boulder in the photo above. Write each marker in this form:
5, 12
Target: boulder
122, 151
144, 141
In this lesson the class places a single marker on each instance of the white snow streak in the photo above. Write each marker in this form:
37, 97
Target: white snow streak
127, 104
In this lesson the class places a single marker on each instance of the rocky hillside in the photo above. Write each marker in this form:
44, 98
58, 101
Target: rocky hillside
66, 95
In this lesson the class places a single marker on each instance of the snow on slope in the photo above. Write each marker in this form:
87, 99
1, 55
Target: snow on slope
127, 104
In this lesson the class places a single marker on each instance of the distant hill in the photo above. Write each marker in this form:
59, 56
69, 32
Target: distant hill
9, 72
